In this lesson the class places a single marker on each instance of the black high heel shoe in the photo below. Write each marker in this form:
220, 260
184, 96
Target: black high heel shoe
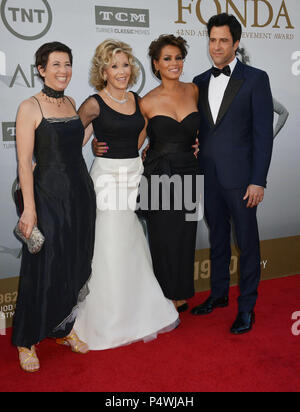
182, 308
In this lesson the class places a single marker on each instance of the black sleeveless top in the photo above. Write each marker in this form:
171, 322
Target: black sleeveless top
120, 131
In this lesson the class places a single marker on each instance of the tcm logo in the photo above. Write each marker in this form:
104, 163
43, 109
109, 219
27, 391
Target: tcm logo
296, 65
29, 22
296, 325
255, 13
9, 131
115, 16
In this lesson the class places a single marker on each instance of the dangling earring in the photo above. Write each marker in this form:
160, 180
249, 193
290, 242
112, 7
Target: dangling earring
105, 78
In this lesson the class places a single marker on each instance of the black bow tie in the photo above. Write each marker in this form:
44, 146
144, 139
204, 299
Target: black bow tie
226, 70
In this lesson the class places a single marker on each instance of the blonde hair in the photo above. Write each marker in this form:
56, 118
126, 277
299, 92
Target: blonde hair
103, 57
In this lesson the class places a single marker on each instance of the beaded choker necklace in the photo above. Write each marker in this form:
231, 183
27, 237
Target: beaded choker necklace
53, 96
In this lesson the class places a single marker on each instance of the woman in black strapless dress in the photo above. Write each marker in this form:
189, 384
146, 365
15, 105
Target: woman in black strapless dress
59, 198
173, 124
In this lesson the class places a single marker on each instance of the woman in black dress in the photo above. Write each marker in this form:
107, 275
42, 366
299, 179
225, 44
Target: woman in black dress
173, 123
126, 303
59, 198
172, 120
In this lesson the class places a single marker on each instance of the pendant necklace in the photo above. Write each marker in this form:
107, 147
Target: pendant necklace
114, 99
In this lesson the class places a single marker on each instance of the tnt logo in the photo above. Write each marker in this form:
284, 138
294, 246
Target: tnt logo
9, 131
29, 22
296, 65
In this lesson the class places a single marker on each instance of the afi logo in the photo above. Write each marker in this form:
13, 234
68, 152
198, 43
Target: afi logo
296, 325
2, 64
296, 65
115, 16
29, 22
20, 77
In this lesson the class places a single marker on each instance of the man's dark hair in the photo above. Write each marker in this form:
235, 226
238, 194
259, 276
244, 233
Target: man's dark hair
225, 19
42, 54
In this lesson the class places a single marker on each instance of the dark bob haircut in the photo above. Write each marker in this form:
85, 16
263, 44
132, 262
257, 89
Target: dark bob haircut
42, 54
225, 19
166, 40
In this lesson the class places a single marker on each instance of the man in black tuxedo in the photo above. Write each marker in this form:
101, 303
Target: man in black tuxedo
235, 142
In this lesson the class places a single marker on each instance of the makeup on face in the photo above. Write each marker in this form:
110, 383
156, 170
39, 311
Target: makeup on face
170, 63
58, 71
119, 72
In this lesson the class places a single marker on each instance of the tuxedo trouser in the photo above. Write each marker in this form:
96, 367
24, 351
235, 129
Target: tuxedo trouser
220, 207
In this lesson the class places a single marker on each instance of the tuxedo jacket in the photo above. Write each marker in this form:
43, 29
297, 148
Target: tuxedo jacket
239, 145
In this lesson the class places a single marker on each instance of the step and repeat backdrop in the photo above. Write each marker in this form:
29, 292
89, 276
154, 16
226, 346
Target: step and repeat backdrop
270, 41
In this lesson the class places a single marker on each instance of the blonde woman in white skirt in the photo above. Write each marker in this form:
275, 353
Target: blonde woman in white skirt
126, 303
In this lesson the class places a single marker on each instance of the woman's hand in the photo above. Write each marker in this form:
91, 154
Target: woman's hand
196, 147
27, 221
144, 152
99, 148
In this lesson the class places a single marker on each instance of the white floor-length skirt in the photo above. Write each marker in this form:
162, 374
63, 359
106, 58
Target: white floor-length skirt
125, 303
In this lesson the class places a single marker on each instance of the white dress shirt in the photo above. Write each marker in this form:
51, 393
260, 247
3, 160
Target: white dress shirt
216, 90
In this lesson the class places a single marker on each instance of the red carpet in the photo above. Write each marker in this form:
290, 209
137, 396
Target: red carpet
199, 356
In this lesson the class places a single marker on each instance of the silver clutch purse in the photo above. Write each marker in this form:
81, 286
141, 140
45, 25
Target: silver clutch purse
35, 242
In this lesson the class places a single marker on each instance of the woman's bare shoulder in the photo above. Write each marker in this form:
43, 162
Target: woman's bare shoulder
191, 89
149, 98
72, 101
90, 104
29, 103
190, 86
29, 107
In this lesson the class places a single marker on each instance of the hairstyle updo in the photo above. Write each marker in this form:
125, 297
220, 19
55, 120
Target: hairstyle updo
102, 59
166, 40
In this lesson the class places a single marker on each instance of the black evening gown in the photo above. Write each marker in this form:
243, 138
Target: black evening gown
172, 237
54, 281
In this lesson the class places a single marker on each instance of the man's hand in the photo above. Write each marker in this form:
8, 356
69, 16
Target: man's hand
99, 148
255, 195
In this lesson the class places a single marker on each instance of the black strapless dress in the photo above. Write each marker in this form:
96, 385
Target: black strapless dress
53, 281
172, 236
